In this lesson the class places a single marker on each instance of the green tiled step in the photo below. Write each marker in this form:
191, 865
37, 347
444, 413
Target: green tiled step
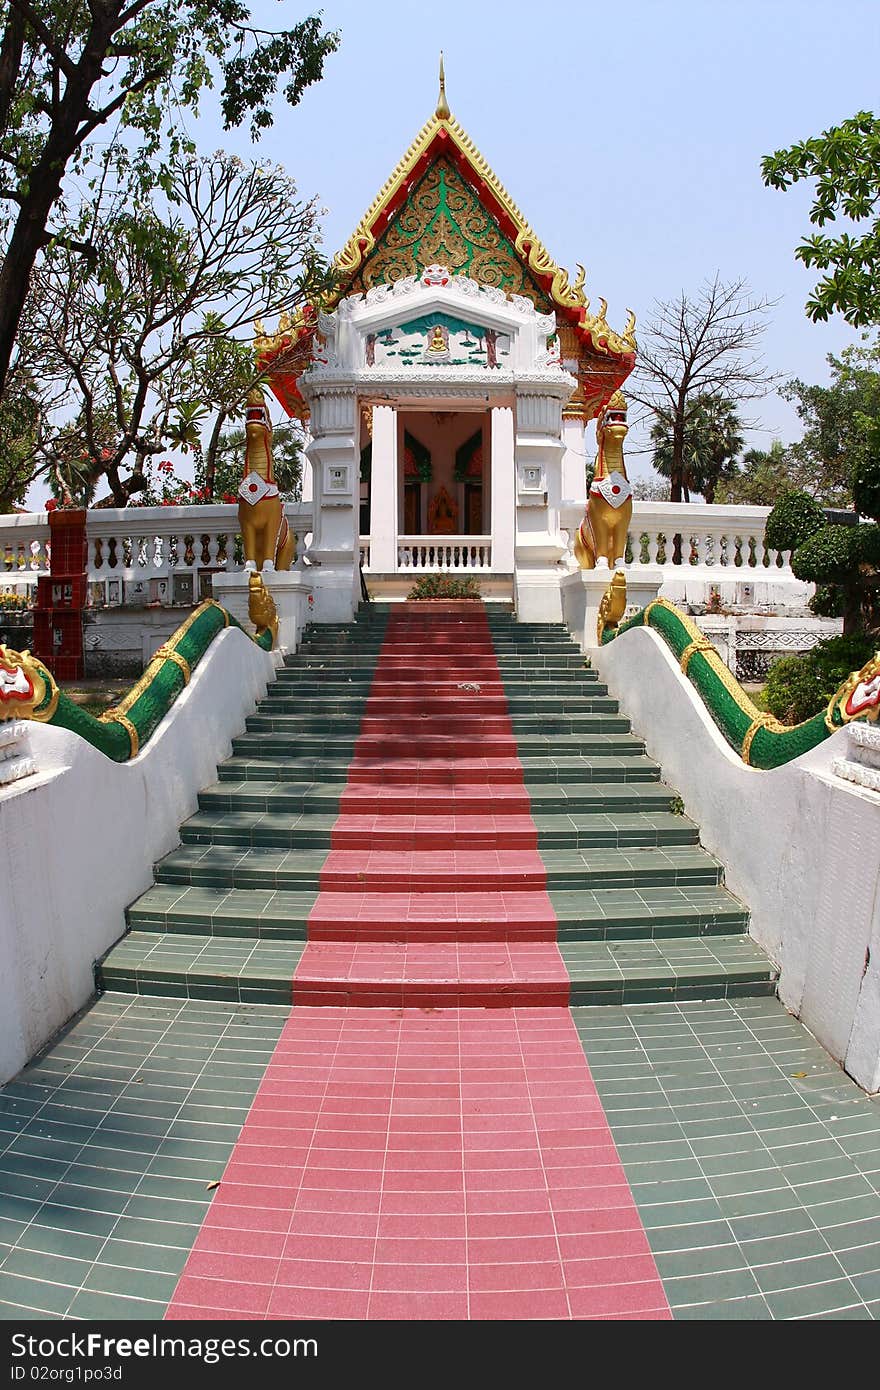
311, 748
306, 723
627, 913
667, 970
201, 967
613, 914
351, 706
233, 866
306, 759
245, 828
629, 765
299, 796
290, 830
239, 912
543, 776
306, 687
299, 738
680, 865
623, 830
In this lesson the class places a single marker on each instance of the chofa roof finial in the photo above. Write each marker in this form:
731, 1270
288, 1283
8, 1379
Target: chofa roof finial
442, 113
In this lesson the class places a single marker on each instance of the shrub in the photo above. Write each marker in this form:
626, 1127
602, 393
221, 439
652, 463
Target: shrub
444, 586
801, 686
795, 518
828, 555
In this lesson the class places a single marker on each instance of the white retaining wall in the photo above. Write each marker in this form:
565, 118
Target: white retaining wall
78, 840
801, 847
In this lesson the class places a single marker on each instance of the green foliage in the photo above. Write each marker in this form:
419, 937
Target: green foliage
444, 586
866, 475
801, 686
127, 73
794, 519
827, 555
844, 161
147, 346
840, 424
19, 423
764, 476
712, 440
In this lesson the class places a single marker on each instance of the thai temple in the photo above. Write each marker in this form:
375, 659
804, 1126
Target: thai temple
426, 958
447, 385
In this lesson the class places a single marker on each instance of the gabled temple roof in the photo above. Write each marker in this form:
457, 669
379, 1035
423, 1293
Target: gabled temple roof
443, 204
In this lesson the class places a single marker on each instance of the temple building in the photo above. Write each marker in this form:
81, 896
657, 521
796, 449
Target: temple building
446, 386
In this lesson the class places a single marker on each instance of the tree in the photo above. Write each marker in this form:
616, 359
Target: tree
140, 340
700, 347
845, 163
763, 476
712, 440
838, 421
842, 561
68, 68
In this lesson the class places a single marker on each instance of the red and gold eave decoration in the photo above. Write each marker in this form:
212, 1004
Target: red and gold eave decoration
603, 364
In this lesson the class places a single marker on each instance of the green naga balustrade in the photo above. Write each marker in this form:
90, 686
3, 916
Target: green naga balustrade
28, 690
760, 739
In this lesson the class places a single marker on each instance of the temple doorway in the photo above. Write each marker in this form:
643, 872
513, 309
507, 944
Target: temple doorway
443, 474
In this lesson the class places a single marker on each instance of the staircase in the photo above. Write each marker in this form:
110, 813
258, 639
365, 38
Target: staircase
442, 807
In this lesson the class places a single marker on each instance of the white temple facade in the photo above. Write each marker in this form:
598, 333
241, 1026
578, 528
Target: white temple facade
446, 388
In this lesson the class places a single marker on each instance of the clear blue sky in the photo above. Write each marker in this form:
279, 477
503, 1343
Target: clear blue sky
630, 135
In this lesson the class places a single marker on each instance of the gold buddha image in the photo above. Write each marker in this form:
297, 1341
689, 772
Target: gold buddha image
438, 341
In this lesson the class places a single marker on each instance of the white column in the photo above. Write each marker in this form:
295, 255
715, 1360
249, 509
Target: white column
335, 458
503, 499
383, 491
574, 460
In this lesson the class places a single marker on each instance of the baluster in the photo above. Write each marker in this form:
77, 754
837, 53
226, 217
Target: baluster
760, 550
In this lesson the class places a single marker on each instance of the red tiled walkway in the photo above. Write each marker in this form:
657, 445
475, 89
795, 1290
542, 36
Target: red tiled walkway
442, 1153
401, 1164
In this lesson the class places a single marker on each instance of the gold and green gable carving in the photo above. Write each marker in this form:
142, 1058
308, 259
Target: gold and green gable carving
443, 204
443, 222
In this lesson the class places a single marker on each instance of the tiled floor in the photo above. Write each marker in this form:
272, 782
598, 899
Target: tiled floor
754, 1160
111, 1148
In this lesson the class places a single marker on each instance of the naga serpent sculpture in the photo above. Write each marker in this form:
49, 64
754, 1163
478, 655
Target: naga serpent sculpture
760, 740
600, 539
28, 690
268, 541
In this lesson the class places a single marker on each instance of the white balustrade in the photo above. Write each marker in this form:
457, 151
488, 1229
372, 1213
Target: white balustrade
435, 553
714, 538
24, 546
132, 544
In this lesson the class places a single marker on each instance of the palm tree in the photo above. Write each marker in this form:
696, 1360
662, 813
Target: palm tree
712, 440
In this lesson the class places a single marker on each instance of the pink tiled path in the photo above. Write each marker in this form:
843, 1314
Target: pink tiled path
441, 1153
401, 1164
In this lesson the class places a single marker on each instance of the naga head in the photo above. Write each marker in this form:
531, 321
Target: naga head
611, 424
27, 688
859, 696
257, 421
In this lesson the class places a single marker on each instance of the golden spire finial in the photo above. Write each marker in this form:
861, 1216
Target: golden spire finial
443, 112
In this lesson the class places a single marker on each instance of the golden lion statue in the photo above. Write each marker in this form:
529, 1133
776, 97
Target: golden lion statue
601, 537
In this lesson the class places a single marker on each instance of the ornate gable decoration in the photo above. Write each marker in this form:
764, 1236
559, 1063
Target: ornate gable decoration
443, 205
